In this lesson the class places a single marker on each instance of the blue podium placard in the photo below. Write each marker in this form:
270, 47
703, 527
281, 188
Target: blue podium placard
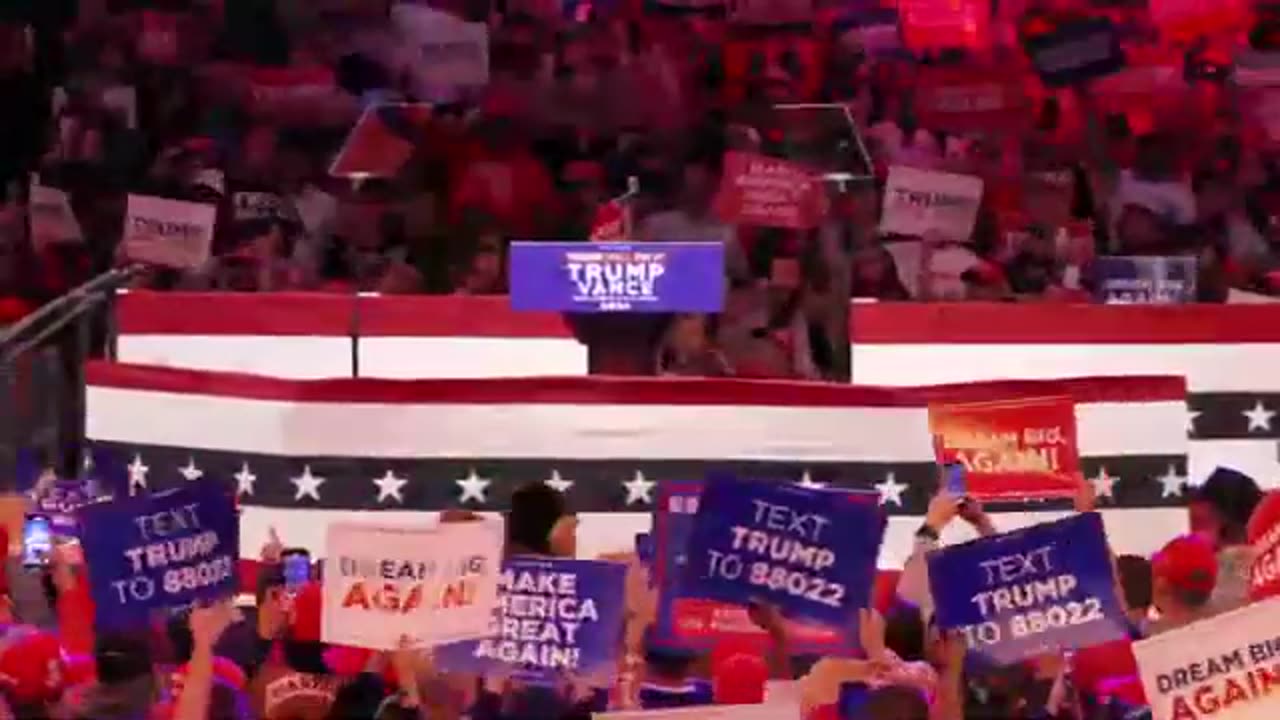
1121, 280
651, 277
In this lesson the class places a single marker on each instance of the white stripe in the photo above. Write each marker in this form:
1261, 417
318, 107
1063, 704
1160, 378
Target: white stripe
1138, 531
299, 358
457, 357
1208, 368
1259, 459
587, 431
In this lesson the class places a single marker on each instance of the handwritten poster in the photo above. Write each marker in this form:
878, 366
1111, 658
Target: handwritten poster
921, 202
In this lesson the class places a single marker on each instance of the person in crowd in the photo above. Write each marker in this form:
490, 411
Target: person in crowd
1219, 511
1184, 574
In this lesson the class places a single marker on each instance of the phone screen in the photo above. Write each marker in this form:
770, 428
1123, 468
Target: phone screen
37, 541
297, 568
955, 481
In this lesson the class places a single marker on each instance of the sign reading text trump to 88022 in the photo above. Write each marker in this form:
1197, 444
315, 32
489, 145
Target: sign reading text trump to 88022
799, 548
426, 585
1225, 668
655, 277
1040, 589
162, 551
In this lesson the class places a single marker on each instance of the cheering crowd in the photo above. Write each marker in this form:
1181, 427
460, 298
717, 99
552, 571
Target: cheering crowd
262, 656
243, 105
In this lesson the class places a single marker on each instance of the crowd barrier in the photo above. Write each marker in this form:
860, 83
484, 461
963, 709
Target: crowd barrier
1226, 353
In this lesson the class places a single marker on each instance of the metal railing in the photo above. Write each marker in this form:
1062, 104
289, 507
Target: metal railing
42, 387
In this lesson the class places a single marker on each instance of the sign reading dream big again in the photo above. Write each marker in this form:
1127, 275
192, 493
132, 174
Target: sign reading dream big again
656, 277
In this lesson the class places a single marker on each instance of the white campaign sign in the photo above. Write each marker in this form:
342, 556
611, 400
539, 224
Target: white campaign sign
172, 233
766, 711
429, 585
1226, 667
441, 50
52, 220
918, 202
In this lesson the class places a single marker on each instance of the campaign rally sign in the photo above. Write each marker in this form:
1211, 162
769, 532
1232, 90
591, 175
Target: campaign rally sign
1037, 590
1145, 280
921, 202
59, 502
52, 220
443, 50
555, 618
160, 551
1021, 448
770, 192
788, 545
1226, 667
172, 233
262, 206
382, 141
427, 585
700, 623
649, 277
971, 97
1076, 52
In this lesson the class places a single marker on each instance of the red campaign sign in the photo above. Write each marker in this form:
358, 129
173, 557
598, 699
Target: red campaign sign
964, 99
382, 141
1011, 449
611, 222
940, 24
703, 621
766, 191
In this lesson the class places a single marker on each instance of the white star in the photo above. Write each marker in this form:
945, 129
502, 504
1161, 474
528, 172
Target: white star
1172, 483
245, 480
307, 485
890, 490
1191, 420
473, 487
1259, 417
137, 474
808, 482
639, 489
1103, 484
190, 471
389, 487
557, 483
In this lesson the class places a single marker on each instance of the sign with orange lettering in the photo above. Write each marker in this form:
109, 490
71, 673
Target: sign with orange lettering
429, 586
1022, 448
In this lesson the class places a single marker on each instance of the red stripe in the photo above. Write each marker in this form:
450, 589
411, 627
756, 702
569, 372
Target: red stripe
152, 313
619, 391
883, 323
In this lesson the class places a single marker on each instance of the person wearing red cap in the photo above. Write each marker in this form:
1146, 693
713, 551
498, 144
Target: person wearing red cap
1184, 574
32, 670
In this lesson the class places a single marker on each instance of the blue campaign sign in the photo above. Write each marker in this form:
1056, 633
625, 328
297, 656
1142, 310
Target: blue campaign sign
1076, 51
555, 618
59, 503
1122, 280
159, 552
788, 545
1041, 589
672, 522
654, 277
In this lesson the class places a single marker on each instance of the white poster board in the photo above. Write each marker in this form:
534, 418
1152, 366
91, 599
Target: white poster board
918, 202
1224, 667
52, 220
430, 585
172, 233
441, 50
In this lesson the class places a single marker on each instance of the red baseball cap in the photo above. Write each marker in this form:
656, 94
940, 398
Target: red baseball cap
1188, 563
33, 666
